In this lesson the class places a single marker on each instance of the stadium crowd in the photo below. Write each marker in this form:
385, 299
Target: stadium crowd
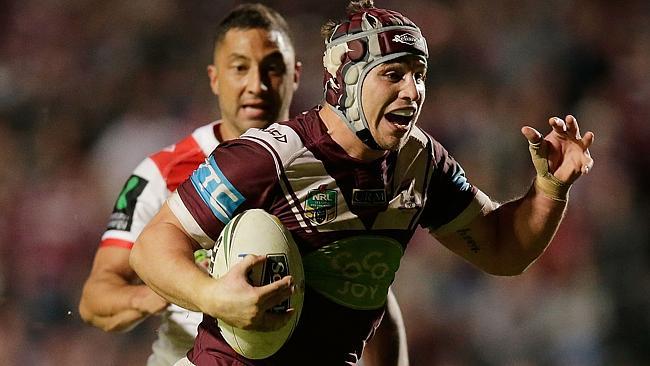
87, 88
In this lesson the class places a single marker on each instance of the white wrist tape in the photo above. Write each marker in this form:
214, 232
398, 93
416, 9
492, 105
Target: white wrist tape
546, 182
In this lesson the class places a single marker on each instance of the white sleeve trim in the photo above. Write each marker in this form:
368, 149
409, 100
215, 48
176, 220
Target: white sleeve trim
119, 235
205, 138
480, 203
188, 222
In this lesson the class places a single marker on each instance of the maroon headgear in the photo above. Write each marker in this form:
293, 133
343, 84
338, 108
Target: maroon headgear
369, 37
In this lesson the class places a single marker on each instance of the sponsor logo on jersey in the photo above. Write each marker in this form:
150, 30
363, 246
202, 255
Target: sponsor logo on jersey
276, 267
354, 272
216, 190
276, 134
122, 216
320, 205
369, 197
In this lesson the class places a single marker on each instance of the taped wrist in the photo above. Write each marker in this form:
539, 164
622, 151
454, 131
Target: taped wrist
545, 181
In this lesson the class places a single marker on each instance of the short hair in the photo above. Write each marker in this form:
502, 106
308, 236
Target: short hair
251, 16
354, 6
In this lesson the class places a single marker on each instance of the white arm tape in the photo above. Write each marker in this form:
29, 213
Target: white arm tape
480, 203
188, 222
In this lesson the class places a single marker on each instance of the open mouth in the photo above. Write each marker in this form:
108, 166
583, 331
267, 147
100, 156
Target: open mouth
401, 117
255, 109
256, 105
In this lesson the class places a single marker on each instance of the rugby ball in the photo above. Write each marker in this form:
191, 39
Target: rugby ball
258, 232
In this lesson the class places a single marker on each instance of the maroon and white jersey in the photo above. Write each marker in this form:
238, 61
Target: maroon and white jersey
351, 219
150, 184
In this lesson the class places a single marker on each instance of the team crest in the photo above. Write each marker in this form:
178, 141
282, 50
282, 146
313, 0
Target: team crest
320, 205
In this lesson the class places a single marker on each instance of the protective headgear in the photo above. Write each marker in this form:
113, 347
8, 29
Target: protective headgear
368, 38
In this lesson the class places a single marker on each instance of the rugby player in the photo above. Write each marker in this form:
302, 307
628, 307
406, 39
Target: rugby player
351, 180
254, 74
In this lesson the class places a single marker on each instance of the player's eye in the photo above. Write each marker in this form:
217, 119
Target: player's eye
273, 65
239, 68
275, 69
393, 76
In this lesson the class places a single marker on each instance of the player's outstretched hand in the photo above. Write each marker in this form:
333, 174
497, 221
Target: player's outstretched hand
244, 306
566, 152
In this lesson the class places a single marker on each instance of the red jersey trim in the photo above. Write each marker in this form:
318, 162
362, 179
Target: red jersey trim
178, 162
116, 243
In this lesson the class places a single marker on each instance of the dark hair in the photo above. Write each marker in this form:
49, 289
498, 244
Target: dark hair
354, 6
252, 16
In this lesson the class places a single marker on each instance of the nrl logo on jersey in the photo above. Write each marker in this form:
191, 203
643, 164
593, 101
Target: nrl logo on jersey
320, 205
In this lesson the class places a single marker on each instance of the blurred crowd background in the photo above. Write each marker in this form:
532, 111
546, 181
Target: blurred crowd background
88, 88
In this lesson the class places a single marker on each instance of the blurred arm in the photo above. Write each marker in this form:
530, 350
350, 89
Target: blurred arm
388, 347
110, 300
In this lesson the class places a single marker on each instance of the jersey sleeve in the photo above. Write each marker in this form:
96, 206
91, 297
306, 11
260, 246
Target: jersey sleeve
451, 199
141, 197
237, 176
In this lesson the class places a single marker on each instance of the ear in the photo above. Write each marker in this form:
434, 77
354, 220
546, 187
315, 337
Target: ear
296, 75
213, 75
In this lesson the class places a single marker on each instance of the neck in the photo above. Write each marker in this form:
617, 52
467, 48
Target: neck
228, 130
343, 135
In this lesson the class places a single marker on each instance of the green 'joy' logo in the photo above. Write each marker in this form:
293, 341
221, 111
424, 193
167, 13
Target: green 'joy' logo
130, 185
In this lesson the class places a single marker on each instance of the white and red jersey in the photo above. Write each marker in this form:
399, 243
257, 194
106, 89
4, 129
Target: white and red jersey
152, 181
352, 221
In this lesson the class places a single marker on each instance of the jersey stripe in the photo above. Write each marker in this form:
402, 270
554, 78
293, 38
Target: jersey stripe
289, 194
427, 179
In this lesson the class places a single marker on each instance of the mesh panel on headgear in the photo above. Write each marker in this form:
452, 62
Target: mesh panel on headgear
368, 38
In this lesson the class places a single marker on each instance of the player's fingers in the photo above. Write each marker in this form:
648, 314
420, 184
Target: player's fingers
249, 261
588, 139
272, 301
558, 125
532, 135
588, 165
276, 292
572, 126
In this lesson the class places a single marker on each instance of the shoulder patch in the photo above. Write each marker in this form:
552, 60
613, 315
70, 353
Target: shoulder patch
122, 216
216, 190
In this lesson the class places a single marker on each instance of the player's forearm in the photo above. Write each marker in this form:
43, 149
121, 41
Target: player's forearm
112, 304
122, 321
525, 227
163, 258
